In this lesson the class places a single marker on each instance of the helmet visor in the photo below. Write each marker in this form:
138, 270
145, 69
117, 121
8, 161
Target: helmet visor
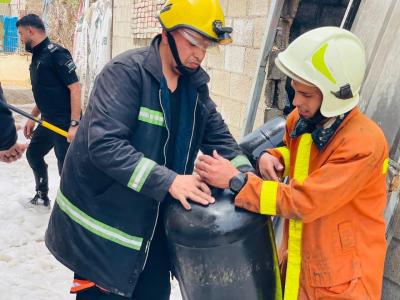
197, 39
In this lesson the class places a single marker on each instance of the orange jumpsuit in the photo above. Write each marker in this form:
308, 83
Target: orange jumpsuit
334, 206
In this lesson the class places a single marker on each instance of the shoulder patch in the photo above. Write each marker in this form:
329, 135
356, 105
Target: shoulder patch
52, 47
70, 65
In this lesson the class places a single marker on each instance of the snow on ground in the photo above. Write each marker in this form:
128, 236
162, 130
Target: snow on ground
27, 269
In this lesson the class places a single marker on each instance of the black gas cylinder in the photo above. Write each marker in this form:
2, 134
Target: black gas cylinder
222, 252
267, 136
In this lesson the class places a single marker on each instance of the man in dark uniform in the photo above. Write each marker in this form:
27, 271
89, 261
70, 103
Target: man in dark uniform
10, 150
57, 95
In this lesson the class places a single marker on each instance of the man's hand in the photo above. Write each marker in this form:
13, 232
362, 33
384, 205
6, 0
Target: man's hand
28, 129
71, 133
215, 170
270, 167
191, 187
14, 153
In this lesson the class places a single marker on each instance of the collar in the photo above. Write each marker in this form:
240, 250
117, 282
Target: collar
39, 47
321, 132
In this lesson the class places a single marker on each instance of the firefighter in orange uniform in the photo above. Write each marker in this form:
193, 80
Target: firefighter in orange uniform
336, 160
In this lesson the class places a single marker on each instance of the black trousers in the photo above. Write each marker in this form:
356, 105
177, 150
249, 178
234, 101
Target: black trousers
43, 140
154, 281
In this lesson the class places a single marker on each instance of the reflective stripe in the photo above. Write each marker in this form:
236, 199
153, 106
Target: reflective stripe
385, 166
303, 158
301, 170
294, 260
151, 116
96, 227
278, 283
240, 161
141, 173
284, 151
269, 190
318, 61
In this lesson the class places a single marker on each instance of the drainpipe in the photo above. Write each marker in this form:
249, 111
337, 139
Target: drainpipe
268, 41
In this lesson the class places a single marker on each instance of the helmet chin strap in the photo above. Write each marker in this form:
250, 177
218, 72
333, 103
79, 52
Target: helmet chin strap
316, 119
185, 71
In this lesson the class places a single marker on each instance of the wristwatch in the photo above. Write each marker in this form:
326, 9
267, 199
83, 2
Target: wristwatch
237, 182
74, 123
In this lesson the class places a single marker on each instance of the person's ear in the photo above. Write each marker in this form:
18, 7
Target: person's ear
164, 38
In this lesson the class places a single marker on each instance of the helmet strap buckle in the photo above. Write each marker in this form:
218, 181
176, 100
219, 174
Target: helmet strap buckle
344, 92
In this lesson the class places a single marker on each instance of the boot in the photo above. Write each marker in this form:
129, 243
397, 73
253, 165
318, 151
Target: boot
42, 188
40, 198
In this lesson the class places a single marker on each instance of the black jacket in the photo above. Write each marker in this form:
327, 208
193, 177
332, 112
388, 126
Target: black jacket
8, 134
114, 176
52, 70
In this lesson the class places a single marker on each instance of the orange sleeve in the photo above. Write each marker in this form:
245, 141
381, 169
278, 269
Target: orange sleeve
353, 167
337, 182
259, 196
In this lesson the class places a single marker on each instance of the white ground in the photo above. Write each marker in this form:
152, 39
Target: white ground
27, 269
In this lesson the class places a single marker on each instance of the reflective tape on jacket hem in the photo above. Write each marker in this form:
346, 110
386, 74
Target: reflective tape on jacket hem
240, 160
141, 173
284, 151
269, 191
151, 116
301, 170
96, 227
294, 260
278, 282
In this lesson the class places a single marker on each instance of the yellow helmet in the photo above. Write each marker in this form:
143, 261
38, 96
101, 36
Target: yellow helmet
203, 16
332, 59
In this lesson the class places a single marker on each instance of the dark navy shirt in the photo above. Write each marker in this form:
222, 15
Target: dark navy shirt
52, 70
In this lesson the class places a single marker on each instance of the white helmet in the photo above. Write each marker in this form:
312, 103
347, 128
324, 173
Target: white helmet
332, 59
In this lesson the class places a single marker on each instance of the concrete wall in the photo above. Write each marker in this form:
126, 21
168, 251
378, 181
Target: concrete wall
122, 34
232, 70
5, 9
379, 96
34, 6
134, 23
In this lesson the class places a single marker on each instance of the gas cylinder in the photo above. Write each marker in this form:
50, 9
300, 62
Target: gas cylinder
269, 135
222, 252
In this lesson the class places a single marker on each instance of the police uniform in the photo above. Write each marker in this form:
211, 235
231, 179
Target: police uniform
52, 70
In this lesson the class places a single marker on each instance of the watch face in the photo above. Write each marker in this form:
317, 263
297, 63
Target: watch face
74, 123
237, 182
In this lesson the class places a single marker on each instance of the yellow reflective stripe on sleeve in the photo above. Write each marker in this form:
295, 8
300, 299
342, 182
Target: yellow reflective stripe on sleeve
240, 160
301, 170
284, 151
269, 190
385, 166
278, 283
140, 174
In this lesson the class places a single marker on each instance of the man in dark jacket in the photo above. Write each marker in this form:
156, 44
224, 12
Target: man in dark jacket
57, 96
10, 150
149, 114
